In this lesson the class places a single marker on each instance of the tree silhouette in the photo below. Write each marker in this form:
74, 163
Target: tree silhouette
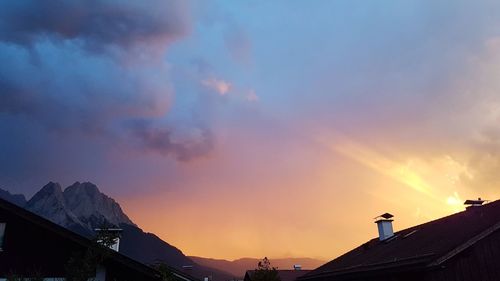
82, 265
265, 272
164, 271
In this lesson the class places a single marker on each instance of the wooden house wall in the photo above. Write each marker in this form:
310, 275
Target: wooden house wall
480, 262
30, 250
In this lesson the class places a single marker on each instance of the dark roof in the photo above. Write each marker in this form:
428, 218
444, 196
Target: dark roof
291, 275
421, 246
83, 241
285, 275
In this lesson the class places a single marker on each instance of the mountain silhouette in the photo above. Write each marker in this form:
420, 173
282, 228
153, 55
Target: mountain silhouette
238, 267
82, 207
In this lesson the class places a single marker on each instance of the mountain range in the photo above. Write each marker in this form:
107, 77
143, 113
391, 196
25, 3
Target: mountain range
82, 207
238, 267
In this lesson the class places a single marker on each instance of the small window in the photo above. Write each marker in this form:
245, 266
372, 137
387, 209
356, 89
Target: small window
2, 233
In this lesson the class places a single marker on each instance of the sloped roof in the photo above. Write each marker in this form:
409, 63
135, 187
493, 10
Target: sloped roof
420, 246
85, 242
291, 275
285, 275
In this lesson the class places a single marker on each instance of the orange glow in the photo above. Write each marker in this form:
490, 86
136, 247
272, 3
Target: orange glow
296, 208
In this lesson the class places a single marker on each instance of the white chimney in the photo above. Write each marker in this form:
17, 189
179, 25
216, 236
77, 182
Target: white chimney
116, 245
384, 224
113, 232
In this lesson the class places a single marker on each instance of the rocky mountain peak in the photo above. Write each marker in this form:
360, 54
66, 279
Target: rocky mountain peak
50, 189
49, 202
50, 192
87, 189
81, 207
93, 207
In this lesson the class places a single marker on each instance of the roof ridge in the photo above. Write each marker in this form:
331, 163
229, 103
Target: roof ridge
73, 236
442, 218
466, 245
368, 266
374, 255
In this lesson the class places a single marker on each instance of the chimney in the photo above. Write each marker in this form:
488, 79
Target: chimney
384, 224
474, 203
297, 267
110, 237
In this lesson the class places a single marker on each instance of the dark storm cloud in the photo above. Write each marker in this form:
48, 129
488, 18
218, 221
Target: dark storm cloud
162, 139
13, 100
97, 23
59, 73
67, 89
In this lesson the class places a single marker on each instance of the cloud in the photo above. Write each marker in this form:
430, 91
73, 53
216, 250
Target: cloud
70, 90
164, 140
473, 115
218, 85
76, 74
97, 25
449, 126
251, 96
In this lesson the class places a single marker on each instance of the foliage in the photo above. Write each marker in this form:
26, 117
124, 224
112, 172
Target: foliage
34, 275
105, 237
14, 277
265, 272
82, 265
165, 271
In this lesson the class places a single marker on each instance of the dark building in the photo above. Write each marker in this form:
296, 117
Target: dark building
284, 275
31, 246
464, 246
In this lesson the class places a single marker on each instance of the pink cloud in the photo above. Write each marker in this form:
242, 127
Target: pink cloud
218, 85
251, 96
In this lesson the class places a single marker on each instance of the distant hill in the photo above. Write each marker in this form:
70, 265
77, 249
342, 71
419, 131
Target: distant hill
17, 199
240, 266
81, 208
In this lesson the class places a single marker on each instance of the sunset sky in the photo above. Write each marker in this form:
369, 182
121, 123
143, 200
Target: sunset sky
255, 128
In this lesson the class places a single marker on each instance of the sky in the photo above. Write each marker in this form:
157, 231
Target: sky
255, 128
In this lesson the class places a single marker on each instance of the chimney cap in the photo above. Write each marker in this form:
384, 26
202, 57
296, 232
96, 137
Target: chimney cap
477, 202
384, 216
